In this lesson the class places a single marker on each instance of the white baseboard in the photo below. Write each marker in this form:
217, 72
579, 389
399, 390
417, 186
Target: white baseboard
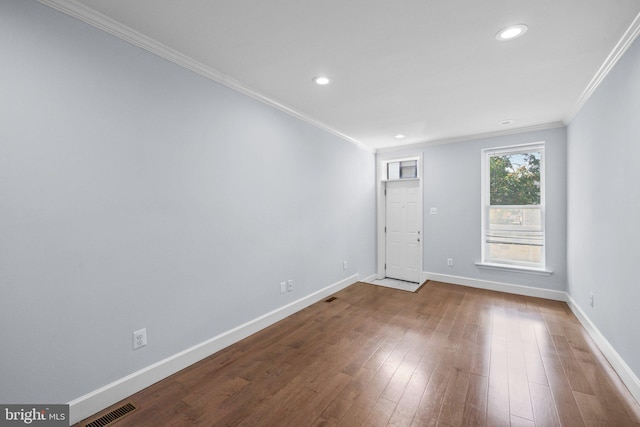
625, 373
529, 291
617, 362
97, 400
369, 278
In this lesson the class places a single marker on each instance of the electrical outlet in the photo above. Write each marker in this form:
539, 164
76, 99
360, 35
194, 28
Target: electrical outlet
289, 285
433, 211
591, 300
344, 265
139, 338
283, 287
450, 262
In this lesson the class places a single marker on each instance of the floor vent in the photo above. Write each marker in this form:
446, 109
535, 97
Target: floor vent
330, 299
112, 416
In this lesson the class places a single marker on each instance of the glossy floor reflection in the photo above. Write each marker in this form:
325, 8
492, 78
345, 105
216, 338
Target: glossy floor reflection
446, 355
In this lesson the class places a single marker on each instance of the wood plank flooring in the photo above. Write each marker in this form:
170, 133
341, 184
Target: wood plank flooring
444, 356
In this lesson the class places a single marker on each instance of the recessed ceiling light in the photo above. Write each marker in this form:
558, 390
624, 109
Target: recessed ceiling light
512, 32
505, 122
400, 136
321, 80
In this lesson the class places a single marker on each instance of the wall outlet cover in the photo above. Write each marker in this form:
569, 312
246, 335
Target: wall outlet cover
139, 338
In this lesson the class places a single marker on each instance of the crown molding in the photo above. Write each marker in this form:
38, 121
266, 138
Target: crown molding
618, 51
472, 137
98, 20
80, 11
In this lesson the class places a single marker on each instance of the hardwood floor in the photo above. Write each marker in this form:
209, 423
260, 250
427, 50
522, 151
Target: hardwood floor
444, 356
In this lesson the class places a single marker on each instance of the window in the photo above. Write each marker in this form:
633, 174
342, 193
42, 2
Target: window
404, 169
513, 206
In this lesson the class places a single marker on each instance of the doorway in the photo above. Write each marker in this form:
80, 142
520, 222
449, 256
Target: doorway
399, 222
403, 231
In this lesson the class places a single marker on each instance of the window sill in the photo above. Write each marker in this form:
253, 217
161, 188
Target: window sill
514, 268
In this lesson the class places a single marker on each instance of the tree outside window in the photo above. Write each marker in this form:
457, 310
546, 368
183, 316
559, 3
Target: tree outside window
513, 226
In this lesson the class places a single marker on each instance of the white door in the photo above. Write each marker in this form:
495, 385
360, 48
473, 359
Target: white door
403, 237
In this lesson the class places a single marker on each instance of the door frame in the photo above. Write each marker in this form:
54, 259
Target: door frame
381, 184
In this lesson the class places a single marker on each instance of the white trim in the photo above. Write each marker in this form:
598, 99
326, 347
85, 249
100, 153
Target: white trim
80, 11
529, 291
102, 398
470, 137
618, 51
97, 400
400, 179
381, 205
369, 278
96, 19
487, 153
628, 377
623, 370
514, 268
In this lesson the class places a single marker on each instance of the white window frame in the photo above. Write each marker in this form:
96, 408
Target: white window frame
486, 203
384, 168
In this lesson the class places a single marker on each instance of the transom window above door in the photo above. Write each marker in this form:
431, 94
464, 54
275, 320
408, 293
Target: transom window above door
401, 169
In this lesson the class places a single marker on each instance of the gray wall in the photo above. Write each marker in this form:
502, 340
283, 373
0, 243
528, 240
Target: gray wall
604, 206
452, 183
134, 193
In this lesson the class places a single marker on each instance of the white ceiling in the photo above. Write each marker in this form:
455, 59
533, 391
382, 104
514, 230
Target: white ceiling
431, 70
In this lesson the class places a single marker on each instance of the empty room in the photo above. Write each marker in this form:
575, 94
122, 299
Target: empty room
296, 213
